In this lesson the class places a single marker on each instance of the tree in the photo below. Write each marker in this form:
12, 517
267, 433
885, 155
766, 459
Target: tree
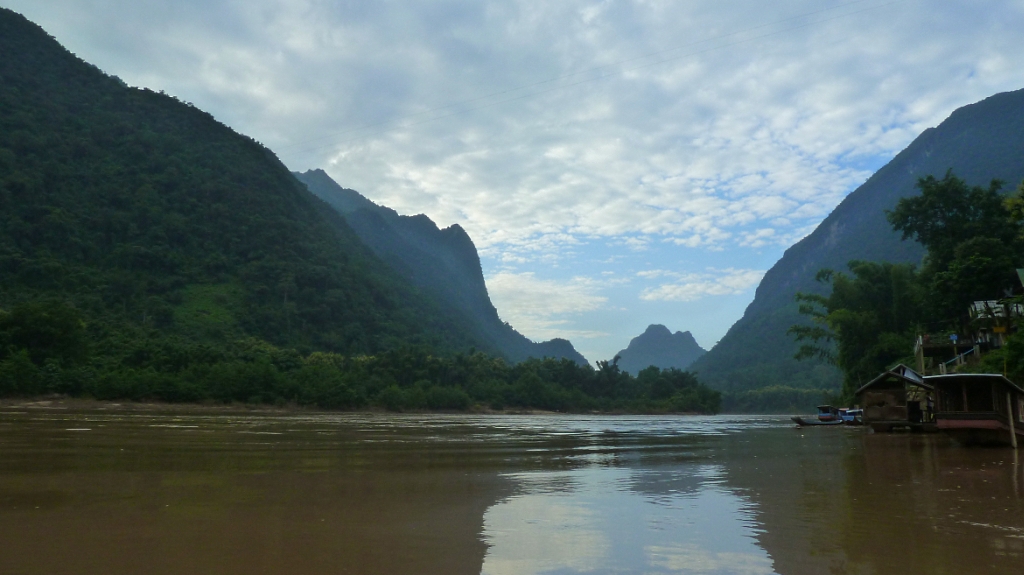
1015, 204
45, 330
868, 321
981, 269
949, 212
866, 324
817, 339
973, 241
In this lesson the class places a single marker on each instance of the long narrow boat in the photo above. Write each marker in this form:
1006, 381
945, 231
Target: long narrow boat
851, 416
808, 422
827, 415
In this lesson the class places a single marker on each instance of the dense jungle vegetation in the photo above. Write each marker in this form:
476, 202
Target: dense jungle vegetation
870, 319
46, 351
979, 141
149, 252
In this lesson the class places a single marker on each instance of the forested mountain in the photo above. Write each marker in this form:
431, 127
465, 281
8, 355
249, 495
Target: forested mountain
148, 252
152, 220
978, 142
661, 348
444, 263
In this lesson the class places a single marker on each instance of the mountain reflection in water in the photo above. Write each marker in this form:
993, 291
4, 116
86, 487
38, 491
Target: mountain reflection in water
123, 492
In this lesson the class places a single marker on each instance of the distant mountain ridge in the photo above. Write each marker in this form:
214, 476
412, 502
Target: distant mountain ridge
443, 262
661, 348
978, 142
168, 230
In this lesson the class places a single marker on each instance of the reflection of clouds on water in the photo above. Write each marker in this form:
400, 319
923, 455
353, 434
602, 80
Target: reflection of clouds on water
545, 482
608, 519
534, 534
692, 559
666, 482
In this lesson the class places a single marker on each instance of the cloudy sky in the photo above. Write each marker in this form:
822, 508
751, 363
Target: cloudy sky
618, 163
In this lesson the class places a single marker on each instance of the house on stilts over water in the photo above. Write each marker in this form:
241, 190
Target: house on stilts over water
898, 398
973, 408
979, 408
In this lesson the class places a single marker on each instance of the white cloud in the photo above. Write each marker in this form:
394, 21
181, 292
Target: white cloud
525, 119
651, 274
691, 287
636, 243
758, 238
543, 308
557, 133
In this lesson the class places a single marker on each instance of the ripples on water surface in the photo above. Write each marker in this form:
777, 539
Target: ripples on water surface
107, 492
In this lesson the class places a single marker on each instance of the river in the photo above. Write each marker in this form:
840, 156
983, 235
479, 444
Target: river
119, 492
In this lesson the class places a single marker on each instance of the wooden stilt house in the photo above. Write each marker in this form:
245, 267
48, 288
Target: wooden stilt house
979, 408
898, 398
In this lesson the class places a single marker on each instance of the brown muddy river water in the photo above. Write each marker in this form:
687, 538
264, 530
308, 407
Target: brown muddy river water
142, 493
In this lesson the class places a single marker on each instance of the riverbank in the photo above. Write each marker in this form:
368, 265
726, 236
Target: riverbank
62, 403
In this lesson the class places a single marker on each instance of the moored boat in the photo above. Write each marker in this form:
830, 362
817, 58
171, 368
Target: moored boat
810, 422
828, 415
851, 416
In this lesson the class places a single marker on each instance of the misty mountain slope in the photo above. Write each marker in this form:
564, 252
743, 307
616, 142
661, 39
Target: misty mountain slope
157, 222
661, 348
978, 142
443, 262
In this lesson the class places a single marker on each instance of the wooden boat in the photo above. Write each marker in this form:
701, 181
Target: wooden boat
827, 415
851, 416
808, 422
979, 408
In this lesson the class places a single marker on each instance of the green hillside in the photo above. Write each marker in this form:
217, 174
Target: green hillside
152, 220
149, 252
443, 263
754, 362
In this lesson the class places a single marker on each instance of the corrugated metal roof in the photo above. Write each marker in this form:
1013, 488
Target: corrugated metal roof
900, 372
979, 377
